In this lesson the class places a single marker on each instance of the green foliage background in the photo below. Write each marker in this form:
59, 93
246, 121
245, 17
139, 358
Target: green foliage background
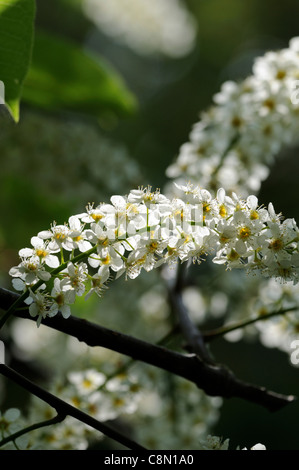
149, 105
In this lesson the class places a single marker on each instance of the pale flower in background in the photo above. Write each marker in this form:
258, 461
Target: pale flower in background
158, 27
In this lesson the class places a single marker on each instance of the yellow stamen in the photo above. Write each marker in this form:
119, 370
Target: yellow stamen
118, 402
244, 232
104, 241
280, 75
59, 235
153, 246
222, 211
254, 215
31, 267
236, 121
87, 383
171, 251
59, 299
92, 409
41, 253
106, 260
270, 104
276, 244
206, 207
76, 401
96, 217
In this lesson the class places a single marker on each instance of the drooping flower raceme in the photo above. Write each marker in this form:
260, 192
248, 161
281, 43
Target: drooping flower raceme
145, 230
236, 140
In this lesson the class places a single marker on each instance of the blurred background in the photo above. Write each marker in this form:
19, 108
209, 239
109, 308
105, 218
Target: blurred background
60, 156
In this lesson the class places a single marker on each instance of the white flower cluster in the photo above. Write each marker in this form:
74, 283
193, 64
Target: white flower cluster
217, 443
237, 139
90, 391
156, 27
112, 388
8, 421
214, 443
128, 396
145, 230
11, 421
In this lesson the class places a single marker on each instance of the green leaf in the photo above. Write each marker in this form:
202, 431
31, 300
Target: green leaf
63, 76
16, 39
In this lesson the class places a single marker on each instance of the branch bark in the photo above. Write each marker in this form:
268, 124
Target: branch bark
213, 379
193, 336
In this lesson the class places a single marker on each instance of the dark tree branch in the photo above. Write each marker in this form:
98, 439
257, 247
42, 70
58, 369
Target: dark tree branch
65, 409
213, 379
192, 335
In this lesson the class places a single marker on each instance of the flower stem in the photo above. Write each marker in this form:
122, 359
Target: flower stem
18, 302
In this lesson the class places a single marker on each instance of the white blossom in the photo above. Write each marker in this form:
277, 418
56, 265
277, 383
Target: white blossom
86, 381
235, 232
236, 140
63, 295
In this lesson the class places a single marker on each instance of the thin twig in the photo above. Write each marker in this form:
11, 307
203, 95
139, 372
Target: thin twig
223, 330
42, 424
65, 409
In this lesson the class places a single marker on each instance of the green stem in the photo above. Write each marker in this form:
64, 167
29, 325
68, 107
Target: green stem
119, 254
61, 255
233, 141
15, 305
55, 271
57, 419
76, 259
